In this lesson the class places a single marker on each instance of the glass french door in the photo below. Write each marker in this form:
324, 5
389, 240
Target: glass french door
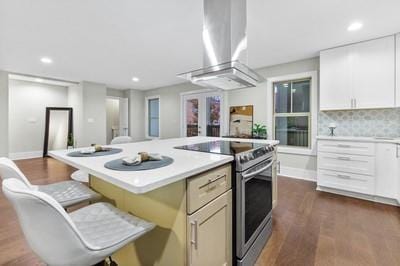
202, 115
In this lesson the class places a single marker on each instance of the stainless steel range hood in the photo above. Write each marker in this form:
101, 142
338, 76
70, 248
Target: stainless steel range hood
225, 48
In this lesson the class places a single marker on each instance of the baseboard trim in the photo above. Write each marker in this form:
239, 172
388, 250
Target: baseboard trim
359, 195
25, 155
298, 173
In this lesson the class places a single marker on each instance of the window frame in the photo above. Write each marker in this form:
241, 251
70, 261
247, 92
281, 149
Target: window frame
147, 117
308, 114
313, 76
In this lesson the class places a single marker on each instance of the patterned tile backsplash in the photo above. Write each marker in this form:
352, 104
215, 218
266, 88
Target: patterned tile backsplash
361, 123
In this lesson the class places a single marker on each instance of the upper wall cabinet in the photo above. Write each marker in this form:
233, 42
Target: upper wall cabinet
335, 79
358, 76
398, 70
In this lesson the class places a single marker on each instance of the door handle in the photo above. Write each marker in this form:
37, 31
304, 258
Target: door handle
246, 175
194, 227
212, 180
343, 146
344, 158
343, 176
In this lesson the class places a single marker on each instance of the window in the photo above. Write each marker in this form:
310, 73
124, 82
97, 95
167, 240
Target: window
153, 117
292, 112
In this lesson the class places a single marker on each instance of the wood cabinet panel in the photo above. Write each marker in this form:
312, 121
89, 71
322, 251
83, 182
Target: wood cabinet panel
210, 233
206, 187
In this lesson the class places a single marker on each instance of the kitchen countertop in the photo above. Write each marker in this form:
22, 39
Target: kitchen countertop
362, 139
186, 163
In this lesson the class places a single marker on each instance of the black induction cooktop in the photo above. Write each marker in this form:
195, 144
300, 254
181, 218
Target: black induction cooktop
222, 147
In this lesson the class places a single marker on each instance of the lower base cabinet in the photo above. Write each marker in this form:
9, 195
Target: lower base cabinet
209, 233
369, 170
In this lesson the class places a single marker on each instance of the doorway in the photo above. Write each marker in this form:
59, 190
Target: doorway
117, 117
202, 115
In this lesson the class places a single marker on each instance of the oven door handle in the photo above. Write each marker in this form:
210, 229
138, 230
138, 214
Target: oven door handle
246, 175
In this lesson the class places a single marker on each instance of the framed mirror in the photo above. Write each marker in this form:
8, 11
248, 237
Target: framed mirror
58, 128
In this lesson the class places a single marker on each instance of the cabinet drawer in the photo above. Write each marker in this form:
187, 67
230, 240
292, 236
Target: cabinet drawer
205, 187
356, 164
347, 147
346, 181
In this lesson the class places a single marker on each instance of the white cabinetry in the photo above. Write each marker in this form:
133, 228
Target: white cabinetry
358, 76
335, 79
366, 169
398, 70
387, 170
346, 166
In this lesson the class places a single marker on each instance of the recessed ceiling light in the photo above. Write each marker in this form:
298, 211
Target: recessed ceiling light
46, 60
135, 79
39, 80
355, 26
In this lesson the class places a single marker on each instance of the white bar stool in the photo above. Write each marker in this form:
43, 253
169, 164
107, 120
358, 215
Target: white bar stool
67, 193
83, 237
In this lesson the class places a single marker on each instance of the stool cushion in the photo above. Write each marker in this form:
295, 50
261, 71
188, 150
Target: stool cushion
103, 226
68, 193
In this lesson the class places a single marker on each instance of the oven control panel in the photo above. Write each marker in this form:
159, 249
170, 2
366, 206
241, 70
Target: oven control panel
244, 158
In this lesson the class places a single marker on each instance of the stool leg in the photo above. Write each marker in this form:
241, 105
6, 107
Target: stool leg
101, 263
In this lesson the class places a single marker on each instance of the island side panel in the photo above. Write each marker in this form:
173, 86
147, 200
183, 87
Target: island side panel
166, 207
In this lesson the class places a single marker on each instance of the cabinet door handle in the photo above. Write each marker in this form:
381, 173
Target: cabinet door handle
344, 158
343, 146
355, 103
343, 176
194, 227
352, 103
212, 180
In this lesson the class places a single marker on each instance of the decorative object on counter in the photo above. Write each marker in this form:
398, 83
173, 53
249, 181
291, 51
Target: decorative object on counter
124, 164
241, 121
91, 152
332, 127
260, 131
141, 157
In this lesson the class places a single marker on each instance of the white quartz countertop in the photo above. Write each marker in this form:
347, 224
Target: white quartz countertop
361, 139
186, 163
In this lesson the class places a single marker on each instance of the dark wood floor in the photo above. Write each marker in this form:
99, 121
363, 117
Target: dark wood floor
309, 227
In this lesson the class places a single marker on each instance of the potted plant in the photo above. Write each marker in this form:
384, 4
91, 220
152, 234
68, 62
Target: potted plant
259, 131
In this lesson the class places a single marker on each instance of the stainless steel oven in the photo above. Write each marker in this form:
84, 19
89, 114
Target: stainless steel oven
253, 208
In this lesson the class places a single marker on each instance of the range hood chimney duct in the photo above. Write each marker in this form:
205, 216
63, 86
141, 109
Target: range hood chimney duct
224, 48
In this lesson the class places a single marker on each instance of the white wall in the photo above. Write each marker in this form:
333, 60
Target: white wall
27, 114
94, 113
291, 163
112, 109
136, 114
170, 107
75, 100
4, 114
116, 93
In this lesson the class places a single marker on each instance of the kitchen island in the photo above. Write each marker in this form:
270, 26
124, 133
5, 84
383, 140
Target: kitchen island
170, 197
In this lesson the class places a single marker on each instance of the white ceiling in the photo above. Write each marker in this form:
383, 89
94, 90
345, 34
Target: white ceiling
112, 41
